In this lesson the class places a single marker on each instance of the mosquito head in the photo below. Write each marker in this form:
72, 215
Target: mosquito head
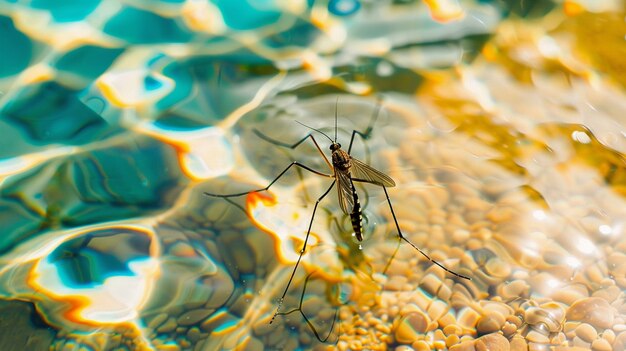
335, 146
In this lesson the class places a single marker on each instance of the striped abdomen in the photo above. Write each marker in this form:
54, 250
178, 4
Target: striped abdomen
356, 217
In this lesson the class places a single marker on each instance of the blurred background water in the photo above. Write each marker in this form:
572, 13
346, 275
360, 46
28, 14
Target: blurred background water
502, 123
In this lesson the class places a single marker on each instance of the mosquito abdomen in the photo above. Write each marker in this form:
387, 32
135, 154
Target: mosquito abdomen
356, 216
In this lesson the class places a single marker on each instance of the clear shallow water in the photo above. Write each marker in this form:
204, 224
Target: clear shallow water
501, 124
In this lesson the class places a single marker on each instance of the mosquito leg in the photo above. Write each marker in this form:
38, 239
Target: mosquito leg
306, 239
295, 163
368, 131
294, 145
306, 319
401, 237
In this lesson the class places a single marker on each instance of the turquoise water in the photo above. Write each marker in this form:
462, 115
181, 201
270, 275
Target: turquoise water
500, 122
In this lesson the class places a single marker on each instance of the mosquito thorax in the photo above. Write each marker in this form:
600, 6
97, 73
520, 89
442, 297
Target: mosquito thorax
335, 146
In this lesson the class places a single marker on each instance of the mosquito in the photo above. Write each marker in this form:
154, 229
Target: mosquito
345, 170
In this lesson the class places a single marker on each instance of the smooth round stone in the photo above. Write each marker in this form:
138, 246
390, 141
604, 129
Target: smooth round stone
533, 346
610, 293
194, 316
514, 289
453, 329
601, 345
578, 342
156, 321
609, 336
468, 318
592, 310
431, 284
194, 334
549, 315
493, 341
498, 268
421, 345
489, 323
437, 309
586, 332
558, 338
620, 342
168, 326
452, 340
467, 345
537, 337
411, 327
515, 320
509, 328
518, 344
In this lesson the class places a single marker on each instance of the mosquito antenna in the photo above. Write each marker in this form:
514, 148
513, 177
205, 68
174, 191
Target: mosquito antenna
336, 103
317, 130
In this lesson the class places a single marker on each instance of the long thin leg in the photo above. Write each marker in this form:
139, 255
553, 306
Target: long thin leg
401, 237
368, 131
306, 239
294, 145
299, 309
295, 163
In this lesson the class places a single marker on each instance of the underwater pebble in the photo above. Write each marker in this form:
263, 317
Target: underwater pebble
515, 320
586, 332
421, 345
438, 345
460, 236
452, 340
576, 341
193, 317
493, 341
491, 322
468, 318
537, 337
168, 326
518, 344
594, 273
548, 316
452, 329
570, 294
437, 309
431, 284
253, 344
411, 326
592, 310
194, 334
396, 283
446, 319
608, 335
497, 268
514, 289
156, 321
509, 328
610, 293
558, 339
467, 345
601, 345
533, 346
620, 341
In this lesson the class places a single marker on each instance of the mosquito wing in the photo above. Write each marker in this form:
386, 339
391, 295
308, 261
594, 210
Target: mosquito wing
361, 172
344, 190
